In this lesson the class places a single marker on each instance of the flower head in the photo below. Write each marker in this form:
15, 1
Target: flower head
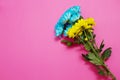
68, 18
79, 26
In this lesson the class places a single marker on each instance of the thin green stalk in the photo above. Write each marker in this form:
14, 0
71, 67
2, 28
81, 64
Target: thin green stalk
109, 72
97, 55
93, 49
94, 42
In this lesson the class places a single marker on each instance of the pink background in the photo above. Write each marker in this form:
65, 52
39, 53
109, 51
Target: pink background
30, 51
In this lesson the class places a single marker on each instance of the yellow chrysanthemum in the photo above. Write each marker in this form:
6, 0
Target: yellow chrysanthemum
79, 26
90, 21
72, 31
88, 27
82, 23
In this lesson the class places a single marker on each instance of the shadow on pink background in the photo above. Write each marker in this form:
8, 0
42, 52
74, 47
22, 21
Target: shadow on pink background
29, 50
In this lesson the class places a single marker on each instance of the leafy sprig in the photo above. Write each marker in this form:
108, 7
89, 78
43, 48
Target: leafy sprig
72, 25
95, 55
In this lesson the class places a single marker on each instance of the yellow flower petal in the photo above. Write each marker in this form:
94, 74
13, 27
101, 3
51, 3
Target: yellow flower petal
90, 21
88, 27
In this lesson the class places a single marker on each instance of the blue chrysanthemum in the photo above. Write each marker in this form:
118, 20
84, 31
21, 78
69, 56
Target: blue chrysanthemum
66, 30
66, 20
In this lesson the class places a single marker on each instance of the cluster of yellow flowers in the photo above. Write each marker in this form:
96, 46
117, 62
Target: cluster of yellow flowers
79, 26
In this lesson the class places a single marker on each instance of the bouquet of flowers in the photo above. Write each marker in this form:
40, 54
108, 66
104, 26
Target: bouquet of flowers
80, 31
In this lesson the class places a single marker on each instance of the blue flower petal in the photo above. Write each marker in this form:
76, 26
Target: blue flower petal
69, 16
74, 17
58, 29
64, 18
66, 30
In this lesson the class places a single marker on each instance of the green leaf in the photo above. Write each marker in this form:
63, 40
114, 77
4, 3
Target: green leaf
101, 72
89, 36
87, 47
77, 41
85, 56
67, 42
94, 59
101, 46
64, 41
106, 54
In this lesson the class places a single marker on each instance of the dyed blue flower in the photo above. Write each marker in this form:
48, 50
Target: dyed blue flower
58, 29
66, 30
66, 20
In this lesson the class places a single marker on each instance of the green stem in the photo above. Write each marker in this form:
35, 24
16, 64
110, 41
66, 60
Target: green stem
89, 43
94, 42
98, 56
109, 72
95, 53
